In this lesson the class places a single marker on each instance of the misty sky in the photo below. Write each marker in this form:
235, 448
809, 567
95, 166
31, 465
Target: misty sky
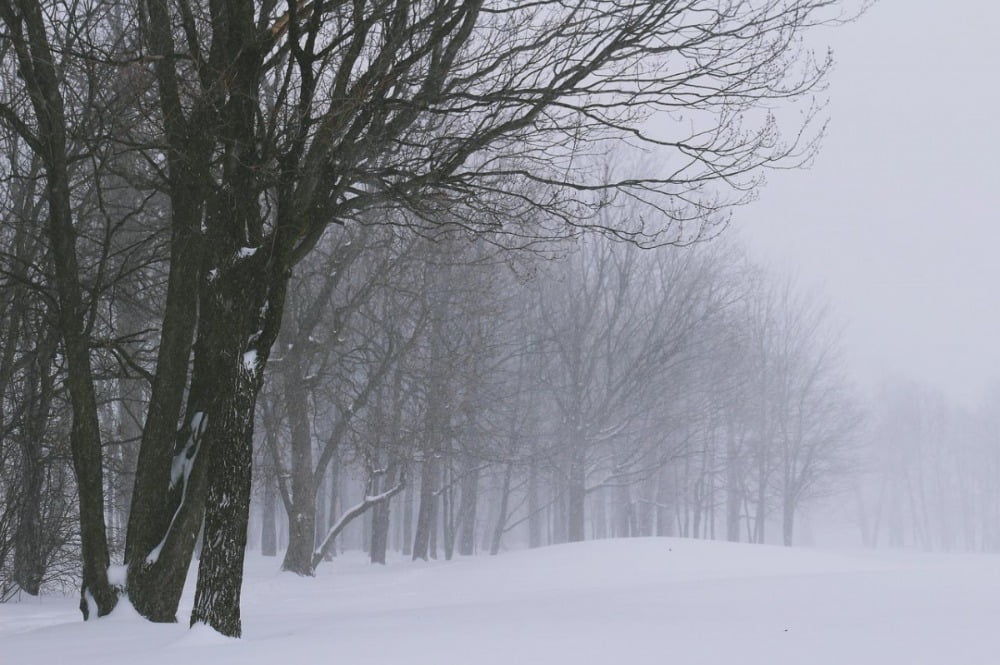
897, 219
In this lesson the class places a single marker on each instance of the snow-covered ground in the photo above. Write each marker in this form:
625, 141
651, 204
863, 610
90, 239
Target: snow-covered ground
625, 601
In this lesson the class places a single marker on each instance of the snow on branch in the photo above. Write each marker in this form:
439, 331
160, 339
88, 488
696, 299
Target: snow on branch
349, 516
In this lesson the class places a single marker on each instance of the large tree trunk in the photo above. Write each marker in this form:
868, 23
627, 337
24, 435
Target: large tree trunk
156, 578
29, 549
230, 449
302, 517
163, 524
238, 324
240, 310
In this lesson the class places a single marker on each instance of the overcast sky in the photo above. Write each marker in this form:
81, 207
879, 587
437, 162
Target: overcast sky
897, 219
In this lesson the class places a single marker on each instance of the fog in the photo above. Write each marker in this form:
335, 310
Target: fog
534, 323
896, 220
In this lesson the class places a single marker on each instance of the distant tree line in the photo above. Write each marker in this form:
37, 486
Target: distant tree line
930, 469
606, 392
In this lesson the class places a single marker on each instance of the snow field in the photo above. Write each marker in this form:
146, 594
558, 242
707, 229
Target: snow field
631, 601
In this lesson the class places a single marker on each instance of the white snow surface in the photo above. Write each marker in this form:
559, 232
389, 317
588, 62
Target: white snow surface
623, 601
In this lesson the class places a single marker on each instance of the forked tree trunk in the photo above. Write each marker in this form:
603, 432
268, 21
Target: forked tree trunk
164, 524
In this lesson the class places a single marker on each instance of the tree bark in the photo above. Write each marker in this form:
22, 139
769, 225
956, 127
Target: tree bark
163, 525
30, 555
238, 324
302, 518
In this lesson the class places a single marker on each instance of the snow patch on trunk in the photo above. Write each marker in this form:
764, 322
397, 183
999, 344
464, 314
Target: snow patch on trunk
250, 361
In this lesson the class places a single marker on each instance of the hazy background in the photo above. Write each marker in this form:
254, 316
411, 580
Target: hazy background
896, 221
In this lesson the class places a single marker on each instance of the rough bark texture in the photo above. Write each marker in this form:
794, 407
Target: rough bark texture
238, 325
153, 511
164, 524
230, 448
